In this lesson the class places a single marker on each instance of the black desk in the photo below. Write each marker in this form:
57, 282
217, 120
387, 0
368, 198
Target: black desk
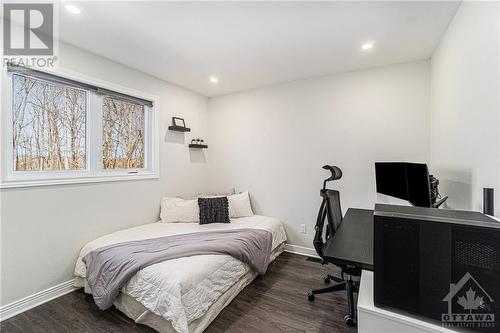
352, 244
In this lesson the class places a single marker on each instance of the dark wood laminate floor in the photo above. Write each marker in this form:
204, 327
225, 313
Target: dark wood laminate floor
276, 302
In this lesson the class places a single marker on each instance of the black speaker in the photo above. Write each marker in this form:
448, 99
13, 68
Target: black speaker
488, 199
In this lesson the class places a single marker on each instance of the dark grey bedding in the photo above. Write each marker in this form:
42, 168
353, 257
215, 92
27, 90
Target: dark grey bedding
110, 267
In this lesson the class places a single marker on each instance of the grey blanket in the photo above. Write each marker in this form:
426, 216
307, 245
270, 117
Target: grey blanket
110, 267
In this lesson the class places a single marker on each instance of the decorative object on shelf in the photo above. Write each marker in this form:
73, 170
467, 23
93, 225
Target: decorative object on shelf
179, 122
197, 143
179, 125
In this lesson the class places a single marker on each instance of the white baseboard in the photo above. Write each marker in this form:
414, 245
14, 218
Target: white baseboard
29, 302
302, 250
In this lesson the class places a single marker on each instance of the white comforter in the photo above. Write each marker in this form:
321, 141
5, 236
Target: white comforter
181, 290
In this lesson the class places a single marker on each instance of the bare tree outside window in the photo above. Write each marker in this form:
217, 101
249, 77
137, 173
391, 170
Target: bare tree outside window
123, 134
48, 126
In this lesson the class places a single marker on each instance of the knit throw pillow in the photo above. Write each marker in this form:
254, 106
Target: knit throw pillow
213, 210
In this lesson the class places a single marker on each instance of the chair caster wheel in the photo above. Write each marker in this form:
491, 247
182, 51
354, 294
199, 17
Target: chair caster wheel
310, 296
327, 280
349, 321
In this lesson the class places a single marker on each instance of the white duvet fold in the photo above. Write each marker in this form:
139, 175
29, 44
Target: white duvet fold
168, 292
181, 290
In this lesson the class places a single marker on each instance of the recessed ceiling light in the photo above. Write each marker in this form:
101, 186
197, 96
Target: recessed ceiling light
213, 79
72, 9
367, 46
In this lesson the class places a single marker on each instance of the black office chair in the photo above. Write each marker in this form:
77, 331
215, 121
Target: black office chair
330, 208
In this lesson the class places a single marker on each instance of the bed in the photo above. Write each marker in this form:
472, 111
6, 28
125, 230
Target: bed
183, 294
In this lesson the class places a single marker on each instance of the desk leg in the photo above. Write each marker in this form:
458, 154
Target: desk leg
350, 319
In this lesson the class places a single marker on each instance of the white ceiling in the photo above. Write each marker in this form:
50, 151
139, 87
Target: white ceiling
253, 44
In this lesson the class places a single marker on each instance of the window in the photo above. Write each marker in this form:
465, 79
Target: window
123, 134
48, 123
59, 130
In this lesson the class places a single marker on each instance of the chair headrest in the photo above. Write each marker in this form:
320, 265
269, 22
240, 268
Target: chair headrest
336, 172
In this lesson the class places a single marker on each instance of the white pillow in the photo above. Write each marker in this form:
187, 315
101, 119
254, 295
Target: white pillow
239, 205
229, 192
179, 210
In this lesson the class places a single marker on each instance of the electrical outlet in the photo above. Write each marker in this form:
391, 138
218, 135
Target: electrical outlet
303, 228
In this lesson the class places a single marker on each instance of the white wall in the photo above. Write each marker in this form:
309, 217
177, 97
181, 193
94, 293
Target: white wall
465, 107
273, 141
43, 229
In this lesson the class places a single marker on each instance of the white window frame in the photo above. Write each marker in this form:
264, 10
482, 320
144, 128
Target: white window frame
94, 171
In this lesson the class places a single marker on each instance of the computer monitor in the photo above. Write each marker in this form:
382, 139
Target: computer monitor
406, 181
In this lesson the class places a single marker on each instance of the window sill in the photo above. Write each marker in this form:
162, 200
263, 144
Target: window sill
21, 183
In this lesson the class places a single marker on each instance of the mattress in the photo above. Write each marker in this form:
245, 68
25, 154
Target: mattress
184, 292
137, 312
